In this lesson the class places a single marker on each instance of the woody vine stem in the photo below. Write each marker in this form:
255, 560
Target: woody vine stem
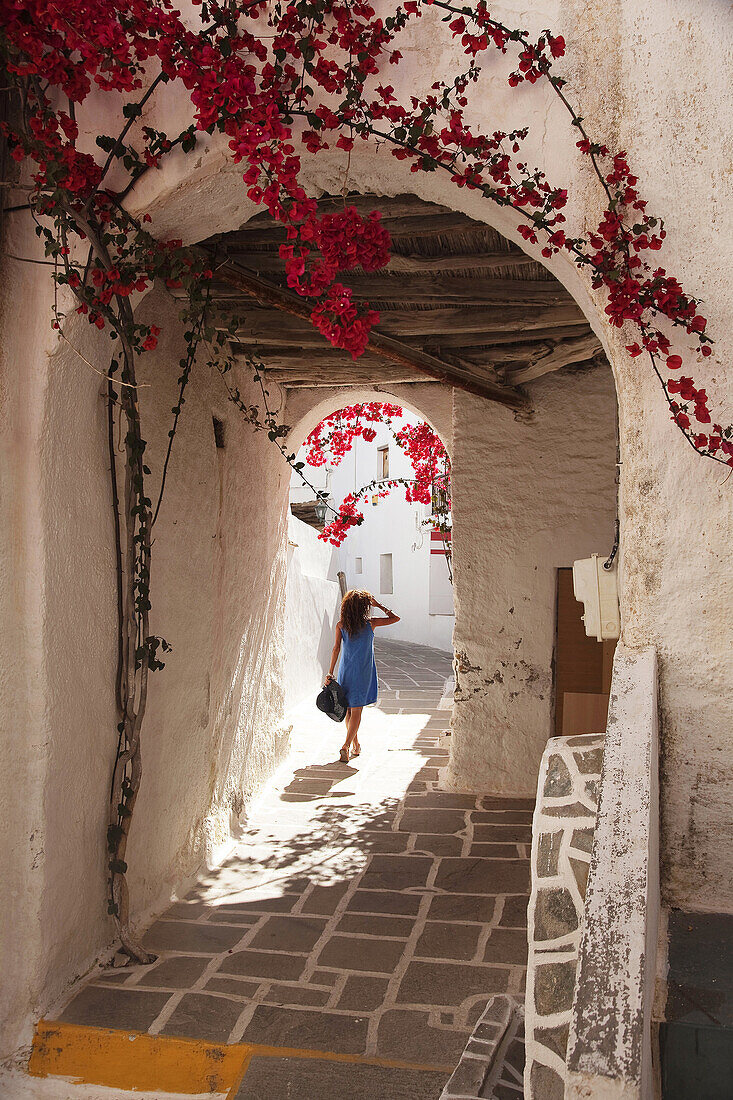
311, 78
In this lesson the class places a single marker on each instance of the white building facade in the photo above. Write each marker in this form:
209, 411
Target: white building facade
394, 553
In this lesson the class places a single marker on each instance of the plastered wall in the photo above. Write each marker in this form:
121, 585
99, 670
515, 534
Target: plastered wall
529, 496
312, 607
214, 726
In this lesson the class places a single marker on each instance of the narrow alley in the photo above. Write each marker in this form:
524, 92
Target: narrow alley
353, 938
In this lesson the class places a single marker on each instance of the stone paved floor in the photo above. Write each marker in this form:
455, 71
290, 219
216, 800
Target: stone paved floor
364, 912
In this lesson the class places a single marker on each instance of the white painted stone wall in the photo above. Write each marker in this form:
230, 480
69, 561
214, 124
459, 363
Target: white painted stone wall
214, 727
312, 607
528, 498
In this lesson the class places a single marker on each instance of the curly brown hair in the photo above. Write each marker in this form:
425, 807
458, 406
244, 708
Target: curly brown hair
355, 610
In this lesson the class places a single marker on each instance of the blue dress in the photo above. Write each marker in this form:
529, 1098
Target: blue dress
358, 669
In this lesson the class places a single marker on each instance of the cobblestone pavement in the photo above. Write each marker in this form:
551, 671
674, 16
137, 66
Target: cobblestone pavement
364, 912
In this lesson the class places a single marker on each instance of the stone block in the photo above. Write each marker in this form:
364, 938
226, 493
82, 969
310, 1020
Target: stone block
590, 762
280, 994
176, 935
467, 1078
441, 940
396, 872
385, 842
558, 781
370, 924
502, 834
383, 901
507, 945
323, 900
554, 1038
449, 983
514, 912
548, 853
442, 800
439, 845
555, 914
109, 1006
583, 839
502, 817
277, 903
495, 851
462, 907
471, 875
363, 992
545, 1083
289, 933
233, 986
264, 964
178, 972
362, 953
316, 1079
432, 820
553, 988
307, 1029
203, 1016
580, 869
406, 1034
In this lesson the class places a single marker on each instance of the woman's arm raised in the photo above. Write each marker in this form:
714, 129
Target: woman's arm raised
391, 617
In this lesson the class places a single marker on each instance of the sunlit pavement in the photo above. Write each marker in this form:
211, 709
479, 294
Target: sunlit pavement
365, 914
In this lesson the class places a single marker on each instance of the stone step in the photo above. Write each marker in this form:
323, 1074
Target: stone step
492, 1064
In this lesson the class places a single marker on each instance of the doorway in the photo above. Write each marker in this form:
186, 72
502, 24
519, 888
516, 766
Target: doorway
583, 667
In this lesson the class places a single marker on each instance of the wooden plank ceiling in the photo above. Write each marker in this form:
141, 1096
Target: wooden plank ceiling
458, 304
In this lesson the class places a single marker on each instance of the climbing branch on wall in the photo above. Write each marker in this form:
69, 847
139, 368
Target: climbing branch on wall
315, 78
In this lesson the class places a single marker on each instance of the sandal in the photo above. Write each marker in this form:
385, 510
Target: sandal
344, 756
356, 751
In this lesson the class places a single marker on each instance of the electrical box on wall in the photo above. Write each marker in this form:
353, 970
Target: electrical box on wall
597, 589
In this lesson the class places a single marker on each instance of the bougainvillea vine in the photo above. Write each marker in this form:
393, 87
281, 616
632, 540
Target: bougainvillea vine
336, 434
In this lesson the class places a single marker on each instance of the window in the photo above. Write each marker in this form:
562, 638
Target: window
358, 565
385, 574
383, 462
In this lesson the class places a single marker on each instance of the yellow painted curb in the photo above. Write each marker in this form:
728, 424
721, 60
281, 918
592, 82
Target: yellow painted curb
134, 1060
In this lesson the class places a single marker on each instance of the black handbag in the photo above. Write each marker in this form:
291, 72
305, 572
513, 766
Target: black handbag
332, 701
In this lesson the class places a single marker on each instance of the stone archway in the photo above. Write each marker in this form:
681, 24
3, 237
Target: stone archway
532, 492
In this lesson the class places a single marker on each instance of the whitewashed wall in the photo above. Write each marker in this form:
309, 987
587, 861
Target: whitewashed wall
312, 608
214, 728
529, 497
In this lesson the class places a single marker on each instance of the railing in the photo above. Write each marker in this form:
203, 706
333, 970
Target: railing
562, 837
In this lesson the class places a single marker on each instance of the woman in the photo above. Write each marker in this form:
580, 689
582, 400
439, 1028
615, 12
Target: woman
358, 669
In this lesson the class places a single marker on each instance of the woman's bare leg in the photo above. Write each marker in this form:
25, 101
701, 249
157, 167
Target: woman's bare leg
353, 739
347, 742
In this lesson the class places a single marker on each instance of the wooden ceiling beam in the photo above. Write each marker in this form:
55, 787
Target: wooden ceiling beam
419, 225
442, 324
432, 289
564, 354
403, 206
269, 263
310, 378
439, 291
386, 347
